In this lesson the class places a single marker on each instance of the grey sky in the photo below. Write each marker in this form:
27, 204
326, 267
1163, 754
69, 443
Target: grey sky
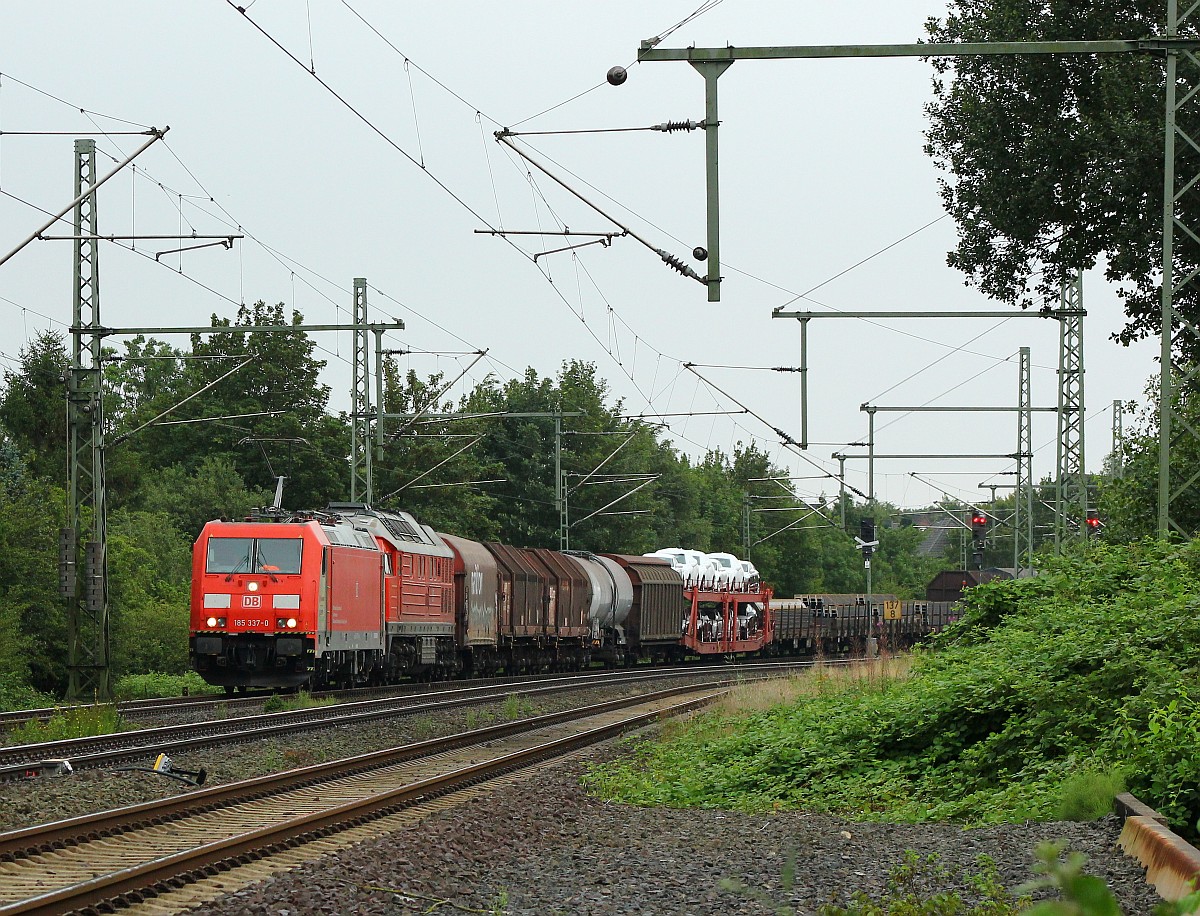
821, 166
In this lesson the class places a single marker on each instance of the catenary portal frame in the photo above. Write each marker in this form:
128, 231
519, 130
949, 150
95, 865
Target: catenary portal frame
1177, 51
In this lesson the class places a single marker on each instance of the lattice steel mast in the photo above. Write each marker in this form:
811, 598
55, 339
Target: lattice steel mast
360, 400
83, 575
1173, 483
1070, 482
1023, 495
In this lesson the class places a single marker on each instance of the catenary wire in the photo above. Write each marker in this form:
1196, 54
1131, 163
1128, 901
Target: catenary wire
403, 152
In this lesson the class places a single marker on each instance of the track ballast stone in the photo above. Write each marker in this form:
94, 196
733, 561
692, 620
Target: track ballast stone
543, 846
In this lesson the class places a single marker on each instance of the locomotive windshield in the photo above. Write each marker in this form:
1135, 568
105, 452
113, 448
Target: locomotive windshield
229, 555
278, 555
243, 555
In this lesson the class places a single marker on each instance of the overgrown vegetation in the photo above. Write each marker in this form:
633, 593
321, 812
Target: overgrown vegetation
72, 722
157, 684
282, 702
1038, 703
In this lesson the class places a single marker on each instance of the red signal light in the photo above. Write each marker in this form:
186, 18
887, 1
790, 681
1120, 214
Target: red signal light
978, 519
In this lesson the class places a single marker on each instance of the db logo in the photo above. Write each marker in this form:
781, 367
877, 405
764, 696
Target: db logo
251, 600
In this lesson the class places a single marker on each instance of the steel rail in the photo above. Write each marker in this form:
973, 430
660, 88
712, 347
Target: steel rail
105, 750
172, 869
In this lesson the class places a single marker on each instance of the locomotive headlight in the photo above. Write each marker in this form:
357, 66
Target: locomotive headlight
292, 623
251, 586
212, 621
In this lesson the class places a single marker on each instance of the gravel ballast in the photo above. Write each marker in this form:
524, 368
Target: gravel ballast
38, 801
543, 846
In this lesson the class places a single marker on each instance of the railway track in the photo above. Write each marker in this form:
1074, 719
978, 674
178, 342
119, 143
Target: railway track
208, 702
21, 761
173, 847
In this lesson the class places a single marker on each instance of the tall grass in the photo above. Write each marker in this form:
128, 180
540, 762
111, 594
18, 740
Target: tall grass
302, 700
820, 680
66, 724
155, 684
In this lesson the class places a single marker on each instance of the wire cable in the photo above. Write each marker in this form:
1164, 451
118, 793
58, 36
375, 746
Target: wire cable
79, 108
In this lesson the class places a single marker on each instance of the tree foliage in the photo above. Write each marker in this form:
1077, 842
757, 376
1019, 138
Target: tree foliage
202, 432
33, 406
1055, 161
1129, 502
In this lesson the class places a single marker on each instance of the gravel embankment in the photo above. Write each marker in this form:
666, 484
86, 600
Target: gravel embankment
543, 846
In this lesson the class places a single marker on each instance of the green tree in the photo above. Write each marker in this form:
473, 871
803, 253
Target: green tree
32, 616
273, 404
1055, 161
189, 498
33, 407
1128, 505
149, 570
429, 465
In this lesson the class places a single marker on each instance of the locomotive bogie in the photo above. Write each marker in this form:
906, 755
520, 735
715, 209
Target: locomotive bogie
252, 659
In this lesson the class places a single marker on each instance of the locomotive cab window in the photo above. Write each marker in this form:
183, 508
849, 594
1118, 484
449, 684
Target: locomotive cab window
229, 555
279, 555
246, 555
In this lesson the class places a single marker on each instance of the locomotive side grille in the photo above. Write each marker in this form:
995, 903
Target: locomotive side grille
400, 528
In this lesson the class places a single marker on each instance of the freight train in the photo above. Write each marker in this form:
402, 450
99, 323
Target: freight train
834, 625
352, 595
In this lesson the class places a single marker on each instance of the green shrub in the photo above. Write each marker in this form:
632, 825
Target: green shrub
1088, 794
281, 702
75, 722
1163, 757
157, 684
16, 694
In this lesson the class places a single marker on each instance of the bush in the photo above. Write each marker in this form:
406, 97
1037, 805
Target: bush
1091, 661
75, 722
157, 684
16, 694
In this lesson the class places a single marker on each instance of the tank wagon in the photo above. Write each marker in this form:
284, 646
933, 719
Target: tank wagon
352, 595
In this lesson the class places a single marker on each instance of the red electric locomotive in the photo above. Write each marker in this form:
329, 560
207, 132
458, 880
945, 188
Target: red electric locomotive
344, 596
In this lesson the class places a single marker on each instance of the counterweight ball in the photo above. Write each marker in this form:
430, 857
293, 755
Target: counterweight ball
617, 75
700, 254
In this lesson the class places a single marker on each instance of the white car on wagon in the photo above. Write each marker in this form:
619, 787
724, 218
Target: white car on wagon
730, 574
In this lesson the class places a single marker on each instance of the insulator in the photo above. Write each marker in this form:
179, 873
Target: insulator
671, 126
671, 261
